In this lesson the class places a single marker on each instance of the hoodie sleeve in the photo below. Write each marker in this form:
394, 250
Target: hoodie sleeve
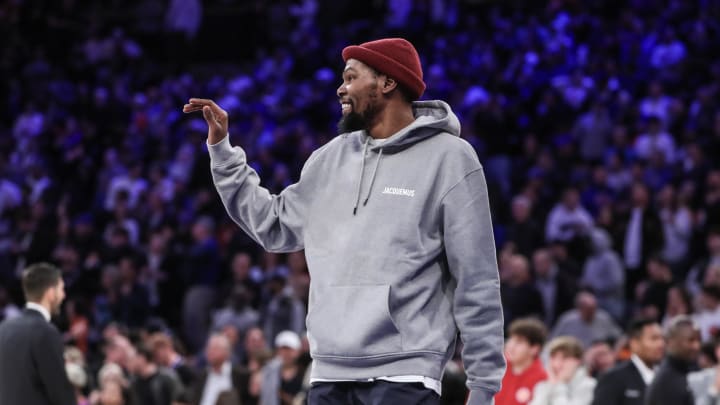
273, 221
470, 250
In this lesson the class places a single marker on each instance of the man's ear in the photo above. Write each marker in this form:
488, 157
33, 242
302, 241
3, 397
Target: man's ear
389, 84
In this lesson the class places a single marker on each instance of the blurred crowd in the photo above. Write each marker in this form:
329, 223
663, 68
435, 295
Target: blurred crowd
597, 122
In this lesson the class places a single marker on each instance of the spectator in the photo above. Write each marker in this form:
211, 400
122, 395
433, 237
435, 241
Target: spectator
626, 384
152, 385
652, 294
555, 287
221, 376
524, 370
704, 383
165, 355
568, 382
524, 231
696, 276
568, 219
677, 223
670, 385
586, 322
599, 358
603, 273
283, 377
283, 311
519, 296
78, 378
707, 316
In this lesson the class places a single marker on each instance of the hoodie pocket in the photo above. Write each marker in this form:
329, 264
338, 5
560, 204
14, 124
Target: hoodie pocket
352, 321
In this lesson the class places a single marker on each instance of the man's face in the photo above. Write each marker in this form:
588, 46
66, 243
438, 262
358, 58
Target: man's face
57, 296
685, 344
650, 345
563, 366
359, 96
518, 350
217, 352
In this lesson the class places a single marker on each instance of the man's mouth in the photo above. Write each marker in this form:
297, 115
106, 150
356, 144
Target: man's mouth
346, 107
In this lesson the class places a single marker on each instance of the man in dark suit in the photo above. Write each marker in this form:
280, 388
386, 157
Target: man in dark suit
625, 384
221, 379
32, 369
670, 385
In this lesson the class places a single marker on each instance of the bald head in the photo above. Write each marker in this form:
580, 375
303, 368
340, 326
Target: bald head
218, 350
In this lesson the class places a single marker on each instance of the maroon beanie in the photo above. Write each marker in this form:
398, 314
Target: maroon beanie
394, 57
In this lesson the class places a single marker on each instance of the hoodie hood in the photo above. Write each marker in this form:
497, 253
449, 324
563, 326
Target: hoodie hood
431, 118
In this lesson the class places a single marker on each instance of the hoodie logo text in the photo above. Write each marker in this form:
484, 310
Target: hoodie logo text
399, 191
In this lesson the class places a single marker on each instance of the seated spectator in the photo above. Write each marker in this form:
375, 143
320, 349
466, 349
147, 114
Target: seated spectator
599, 358
283, 377
604, 274
519, 296
555, 287
568, 219
626, 383
705, 384
586, 322
524, 369
221, 376
670, 384
568, 382
151, 384
707, 316
165, 355
524, 230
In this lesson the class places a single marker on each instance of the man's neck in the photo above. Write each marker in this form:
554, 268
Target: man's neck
217, 368
391, 120
519, 368
42, 308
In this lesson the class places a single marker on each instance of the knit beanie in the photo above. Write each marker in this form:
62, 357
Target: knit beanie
395, 57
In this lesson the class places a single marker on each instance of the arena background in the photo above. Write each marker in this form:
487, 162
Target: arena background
578, 110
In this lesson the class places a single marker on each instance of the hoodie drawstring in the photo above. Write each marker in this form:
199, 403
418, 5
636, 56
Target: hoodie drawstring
362, 170
372, 178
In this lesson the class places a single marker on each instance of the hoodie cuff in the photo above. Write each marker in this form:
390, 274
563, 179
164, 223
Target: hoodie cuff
220, 152
480, 397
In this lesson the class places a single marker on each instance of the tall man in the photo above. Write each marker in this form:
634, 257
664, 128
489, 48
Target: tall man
670, 385
32, 369
626, 383
394, 218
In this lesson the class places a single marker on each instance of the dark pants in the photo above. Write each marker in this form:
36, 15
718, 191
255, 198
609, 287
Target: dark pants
371, 393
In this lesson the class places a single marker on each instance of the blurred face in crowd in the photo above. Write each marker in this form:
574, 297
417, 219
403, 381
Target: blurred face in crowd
542, 262
255, 340
519, 351
571, 199
563, 366
360, 97
685, 344
241, 266
218, 350
521, 209
713, 243
639, 195
586, 305
288, 355
649, 345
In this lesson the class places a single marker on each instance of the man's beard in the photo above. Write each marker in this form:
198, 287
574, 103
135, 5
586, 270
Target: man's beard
354, 121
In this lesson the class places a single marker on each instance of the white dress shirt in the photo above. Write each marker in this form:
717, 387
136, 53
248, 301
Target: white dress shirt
216, 383
633, 239
37, 307
646, 372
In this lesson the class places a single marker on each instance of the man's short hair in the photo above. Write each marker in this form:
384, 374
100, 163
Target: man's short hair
678, 323
530, 329
567, 345
38, 278
636, 327
145, 351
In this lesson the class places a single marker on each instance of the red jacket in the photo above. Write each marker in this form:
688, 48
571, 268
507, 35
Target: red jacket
517, 389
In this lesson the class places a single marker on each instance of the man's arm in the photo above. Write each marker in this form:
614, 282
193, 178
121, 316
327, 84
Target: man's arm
273, 221
47, 356
470, 249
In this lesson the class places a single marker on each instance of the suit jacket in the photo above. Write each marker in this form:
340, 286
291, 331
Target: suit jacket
32, 368
622, 385
240, 382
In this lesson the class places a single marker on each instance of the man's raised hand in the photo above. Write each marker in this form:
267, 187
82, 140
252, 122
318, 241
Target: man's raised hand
216, 117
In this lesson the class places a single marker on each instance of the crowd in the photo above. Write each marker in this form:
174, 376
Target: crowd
598, 125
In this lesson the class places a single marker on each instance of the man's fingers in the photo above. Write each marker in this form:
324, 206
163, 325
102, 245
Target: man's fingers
206, 102
188, 108
208, 114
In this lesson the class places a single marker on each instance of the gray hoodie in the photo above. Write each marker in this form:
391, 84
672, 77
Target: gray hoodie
399, 244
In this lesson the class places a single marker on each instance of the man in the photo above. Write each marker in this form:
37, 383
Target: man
152, 385
626, 383
568, 382
705, 384
670, 385
524, 368
165, 355
283, 377
32, 369
395, 222
520, 297
555, 287
586, 322
221, 377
